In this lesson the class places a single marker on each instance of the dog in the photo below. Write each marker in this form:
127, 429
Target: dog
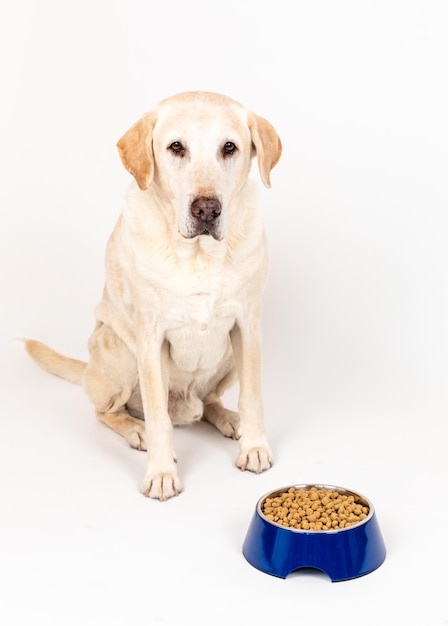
179, 320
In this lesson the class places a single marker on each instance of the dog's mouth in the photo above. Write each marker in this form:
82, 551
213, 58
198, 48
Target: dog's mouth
210, 231
206, 231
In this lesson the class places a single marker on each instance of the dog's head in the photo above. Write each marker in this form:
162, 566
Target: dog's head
197, 148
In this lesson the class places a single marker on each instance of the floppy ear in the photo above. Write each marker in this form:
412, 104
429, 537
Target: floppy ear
135, 148
267, 145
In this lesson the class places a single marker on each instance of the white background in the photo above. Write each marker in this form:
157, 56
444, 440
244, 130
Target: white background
355, 312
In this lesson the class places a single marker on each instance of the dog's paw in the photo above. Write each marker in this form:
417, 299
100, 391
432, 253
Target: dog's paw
227, 422
257, 459
129, 427
135, 435
161, 486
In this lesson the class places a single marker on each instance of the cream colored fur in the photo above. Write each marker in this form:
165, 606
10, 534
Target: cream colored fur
179, 319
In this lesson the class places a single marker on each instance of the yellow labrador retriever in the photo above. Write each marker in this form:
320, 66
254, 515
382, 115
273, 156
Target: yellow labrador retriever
179, 319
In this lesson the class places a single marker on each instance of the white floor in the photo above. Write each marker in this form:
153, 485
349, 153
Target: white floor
80, 545
355, 313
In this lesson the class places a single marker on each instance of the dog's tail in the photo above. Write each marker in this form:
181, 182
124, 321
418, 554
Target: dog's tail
55, 363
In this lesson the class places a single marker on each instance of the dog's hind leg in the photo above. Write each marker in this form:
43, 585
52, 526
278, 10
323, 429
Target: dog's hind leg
109, 381
226, 421
131, 428
223, 419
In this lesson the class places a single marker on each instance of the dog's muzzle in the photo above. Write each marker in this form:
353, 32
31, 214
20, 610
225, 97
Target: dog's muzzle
205, 215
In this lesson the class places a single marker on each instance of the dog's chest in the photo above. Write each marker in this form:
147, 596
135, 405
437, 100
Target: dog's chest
197, 329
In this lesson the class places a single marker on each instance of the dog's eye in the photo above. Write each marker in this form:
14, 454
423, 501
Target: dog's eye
229, 148
177, 148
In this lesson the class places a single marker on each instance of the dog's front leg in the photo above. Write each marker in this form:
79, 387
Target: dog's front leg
161, 478
255, 453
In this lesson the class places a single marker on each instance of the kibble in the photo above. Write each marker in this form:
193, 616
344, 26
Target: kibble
314, 508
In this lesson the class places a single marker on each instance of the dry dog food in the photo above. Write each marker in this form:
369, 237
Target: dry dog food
314, 509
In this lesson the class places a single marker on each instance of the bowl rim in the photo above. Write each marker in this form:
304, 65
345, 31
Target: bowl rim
309, 486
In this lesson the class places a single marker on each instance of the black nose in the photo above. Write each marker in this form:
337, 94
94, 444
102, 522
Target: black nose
205, 209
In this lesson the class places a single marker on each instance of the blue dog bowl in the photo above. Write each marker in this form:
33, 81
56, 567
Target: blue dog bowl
342, 553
